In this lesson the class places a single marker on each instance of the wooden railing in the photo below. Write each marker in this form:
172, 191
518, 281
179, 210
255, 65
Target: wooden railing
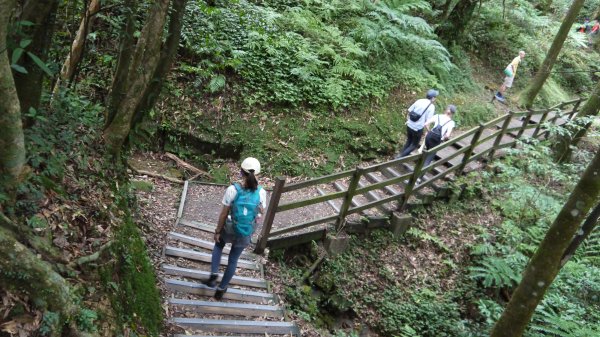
480, 142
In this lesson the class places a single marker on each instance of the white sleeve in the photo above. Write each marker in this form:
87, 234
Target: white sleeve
229, 196
450, 128
263, 198
412, 106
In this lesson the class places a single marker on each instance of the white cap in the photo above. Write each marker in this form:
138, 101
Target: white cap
251, 165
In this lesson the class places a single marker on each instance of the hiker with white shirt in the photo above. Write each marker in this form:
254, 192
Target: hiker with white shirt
440, 132
418, 113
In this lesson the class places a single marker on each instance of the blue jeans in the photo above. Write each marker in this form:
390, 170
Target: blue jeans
237, 247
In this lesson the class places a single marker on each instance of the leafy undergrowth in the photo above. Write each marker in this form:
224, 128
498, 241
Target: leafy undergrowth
452, 272
79, 203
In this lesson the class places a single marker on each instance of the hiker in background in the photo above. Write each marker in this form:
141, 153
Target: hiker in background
244, 203
418, 113
510, 71
441, 131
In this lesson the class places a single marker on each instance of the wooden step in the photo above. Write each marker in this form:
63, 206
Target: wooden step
231, 294
373, 196
331, 203
206, 257
197, 225
340, 187
202, 275
376, 179
190, 240
238, 326
228, 308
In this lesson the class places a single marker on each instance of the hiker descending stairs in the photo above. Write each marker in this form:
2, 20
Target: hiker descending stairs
248, 306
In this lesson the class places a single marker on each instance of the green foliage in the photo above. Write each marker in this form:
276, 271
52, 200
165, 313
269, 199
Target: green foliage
85, 320
316, 53
424, 313
495, 272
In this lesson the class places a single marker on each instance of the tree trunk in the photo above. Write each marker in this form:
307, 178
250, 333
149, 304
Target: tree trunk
143, 65
67, 71
533, 88
588, 226
562, 148
126, 48
42, 15
167, 56
546, 262
12, 144
451, 31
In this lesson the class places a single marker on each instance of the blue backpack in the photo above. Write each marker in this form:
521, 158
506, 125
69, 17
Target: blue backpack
244, 210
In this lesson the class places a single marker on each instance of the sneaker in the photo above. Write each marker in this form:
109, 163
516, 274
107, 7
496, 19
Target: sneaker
211, 282
419, 181
219, 293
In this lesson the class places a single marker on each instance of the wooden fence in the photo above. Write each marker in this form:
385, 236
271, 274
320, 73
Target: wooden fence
455, 155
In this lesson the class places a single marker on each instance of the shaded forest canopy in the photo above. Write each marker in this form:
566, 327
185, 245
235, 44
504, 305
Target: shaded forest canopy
308, 87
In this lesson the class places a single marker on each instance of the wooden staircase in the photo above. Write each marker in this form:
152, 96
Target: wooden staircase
248, 308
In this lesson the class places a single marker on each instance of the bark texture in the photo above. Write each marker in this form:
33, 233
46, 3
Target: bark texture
67, 71
126, 48
562, 148
528, 95
12, 145
167, 56
29, 86
143, 65
546, 262
588, 227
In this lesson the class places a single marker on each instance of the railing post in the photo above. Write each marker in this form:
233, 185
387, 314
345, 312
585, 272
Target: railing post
525, 124
270, 216
412, 180
471, 149
502, 134
348, 198
539, 126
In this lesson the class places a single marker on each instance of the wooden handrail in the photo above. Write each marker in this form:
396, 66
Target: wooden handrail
261, 244
316, 181
306, 202
468, 152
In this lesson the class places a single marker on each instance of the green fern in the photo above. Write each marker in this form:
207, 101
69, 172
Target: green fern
216, 84
495, 272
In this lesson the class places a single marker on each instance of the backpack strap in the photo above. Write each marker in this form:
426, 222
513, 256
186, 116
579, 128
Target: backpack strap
238, 189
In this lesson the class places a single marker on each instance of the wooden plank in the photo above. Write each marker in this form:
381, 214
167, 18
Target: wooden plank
202, 275
204, 257
395, 162
322, 198
290, 241
383, 183
197, 225
231, 294
238, 326
228, 308
374, 203
261, 244
494, 121
303, 225
375, 179
330, 202
182, 201
190, 240
317, 181
338, 186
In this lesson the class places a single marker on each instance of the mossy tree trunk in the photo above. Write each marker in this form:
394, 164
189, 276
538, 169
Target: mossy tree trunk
25, 272
452, 29
12, 144
126, 48
529, 94
546, 262
586, 230
143, 64
42, 15
167, 56
563, 147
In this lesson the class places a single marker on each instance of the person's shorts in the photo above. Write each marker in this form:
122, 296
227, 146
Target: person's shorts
508, 81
